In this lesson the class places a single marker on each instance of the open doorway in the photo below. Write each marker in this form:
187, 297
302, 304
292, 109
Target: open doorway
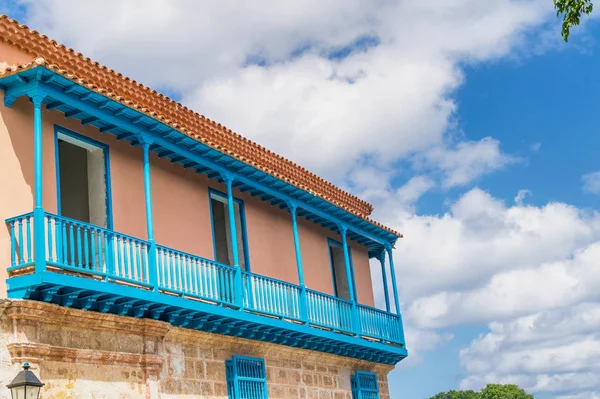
338, 270
219, 208
83, 188
83, 179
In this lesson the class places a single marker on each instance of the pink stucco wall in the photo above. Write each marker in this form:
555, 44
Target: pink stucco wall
180, 200
181, 208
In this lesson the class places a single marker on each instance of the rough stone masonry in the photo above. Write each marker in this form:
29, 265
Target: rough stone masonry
82, 354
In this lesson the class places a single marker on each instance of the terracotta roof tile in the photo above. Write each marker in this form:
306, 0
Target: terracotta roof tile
110, 83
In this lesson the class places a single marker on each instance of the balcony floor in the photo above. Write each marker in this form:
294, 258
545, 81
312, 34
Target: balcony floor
66, 289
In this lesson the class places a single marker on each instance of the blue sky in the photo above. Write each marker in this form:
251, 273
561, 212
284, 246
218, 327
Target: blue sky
545, 99
542, 109
469, 125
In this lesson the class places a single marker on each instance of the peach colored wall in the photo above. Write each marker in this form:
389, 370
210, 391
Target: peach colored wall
315, 258
181, 209
271, 248
362, 274
180, 200
126, 173
16, 178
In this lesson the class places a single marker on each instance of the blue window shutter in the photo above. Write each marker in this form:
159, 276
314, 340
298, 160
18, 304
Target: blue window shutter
364, 385
246, 378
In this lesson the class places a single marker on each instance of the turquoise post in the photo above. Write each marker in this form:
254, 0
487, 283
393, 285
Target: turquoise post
239, 292
349, 274
303, 313
152, 266
385, 282
393, 273
395, 289
38, 211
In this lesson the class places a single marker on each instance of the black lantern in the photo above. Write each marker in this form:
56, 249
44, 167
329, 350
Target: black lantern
25, 385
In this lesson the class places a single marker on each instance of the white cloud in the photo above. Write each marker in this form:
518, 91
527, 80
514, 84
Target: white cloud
581, 395
535, 147
449, 255
516, 292
554, 350
521, 195
591, 182
530, 273
468, 161
412, 191
373, 107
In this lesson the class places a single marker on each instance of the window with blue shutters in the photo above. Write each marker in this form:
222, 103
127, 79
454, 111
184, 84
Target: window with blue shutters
246, 378
364, 385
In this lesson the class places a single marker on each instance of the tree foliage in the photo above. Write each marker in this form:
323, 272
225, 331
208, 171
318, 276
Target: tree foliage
457, 395
572, 11
491, 391
496, 391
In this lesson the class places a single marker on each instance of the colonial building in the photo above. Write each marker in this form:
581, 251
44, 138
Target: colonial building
150, 252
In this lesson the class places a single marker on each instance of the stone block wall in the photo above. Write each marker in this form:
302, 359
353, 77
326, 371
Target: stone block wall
80, 354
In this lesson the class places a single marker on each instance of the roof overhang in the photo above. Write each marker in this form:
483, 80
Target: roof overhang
110, 115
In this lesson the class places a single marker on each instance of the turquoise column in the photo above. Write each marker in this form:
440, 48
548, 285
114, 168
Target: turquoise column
302, 301
384, 279
232, 224
152, 265
349, 274
239, 289
394, 287
39, 250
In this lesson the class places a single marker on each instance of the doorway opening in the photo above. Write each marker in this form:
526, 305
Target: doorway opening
222, 230
83, 190
338, 270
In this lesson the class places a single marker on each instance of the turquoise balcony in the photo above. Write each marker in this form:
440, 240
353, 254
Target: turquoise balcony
94, 268
76, 264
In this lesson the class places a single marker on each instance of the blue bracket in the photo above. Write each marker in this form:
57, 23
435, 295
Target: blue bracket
69, 299
157, 311
139, 310
49, 294
88, 301
104, 305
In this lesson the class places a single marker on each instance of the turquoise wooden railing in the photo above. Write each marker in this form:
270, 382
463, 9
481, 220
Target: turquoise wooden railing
21, 240
378, 324
270, 296
191, 275
86, 249
329, 311
83, 247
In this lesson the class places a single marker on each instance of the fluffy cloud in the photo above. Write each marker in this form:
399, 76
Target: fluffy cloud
450, 258
529, 273
581, 395
521, 195
466, 162
591, 182
328, 85
554, 350
516, 292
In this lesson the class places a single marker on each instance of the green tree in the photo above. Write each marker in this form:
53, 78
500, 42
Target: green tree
456, 395
496, 391
491, 391
571, 11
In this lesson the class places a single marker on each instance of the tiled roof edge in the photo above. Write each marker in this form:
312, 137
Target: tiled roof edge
40, 60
